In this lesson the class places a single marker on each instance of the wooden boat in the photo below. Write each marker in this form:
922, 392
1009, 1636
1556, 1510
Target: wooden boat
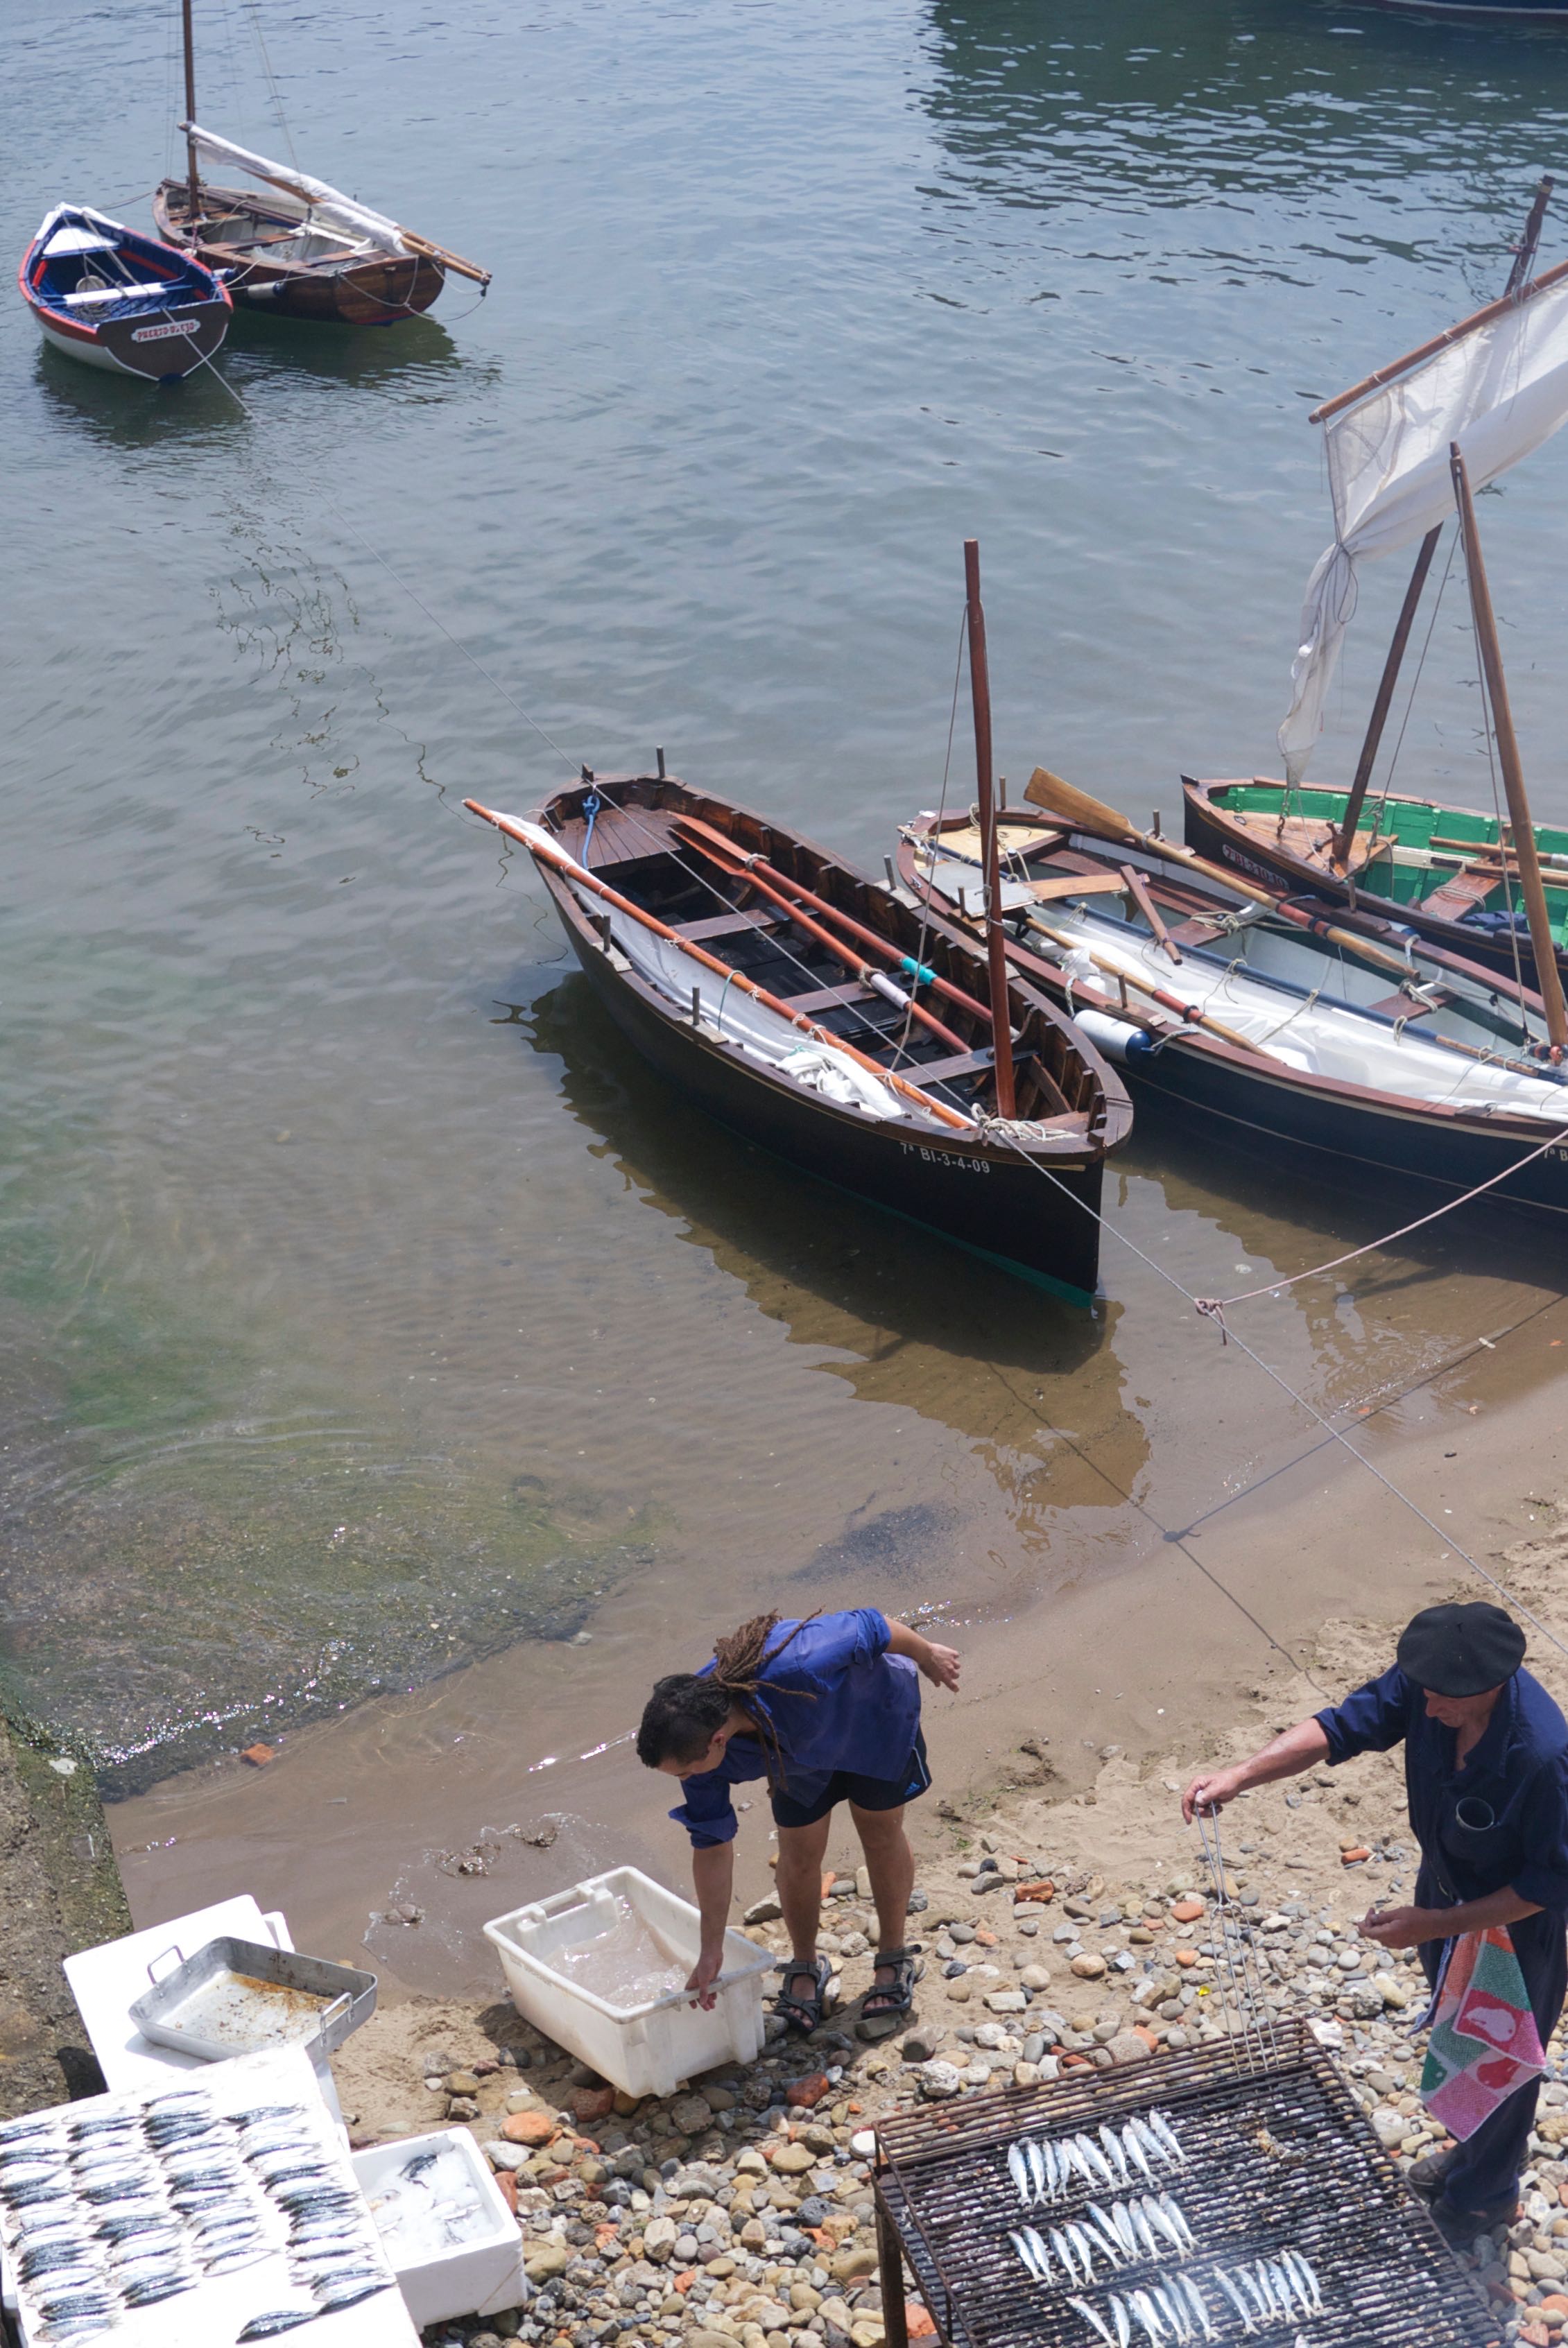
1278, 1023
116, 300
1404, 447
773, 986
293, 244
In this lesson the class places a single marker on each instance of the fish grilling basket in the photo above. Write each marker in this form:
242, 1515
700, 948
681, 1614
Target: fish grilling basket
1276, 2215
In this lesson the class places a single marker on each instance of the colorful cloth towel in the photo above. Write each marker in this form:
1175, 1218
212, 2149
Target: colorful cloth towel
1484, 2043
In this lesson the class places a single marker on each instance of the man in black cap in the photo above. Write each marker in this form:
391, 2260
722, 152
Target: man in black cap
1486, 1777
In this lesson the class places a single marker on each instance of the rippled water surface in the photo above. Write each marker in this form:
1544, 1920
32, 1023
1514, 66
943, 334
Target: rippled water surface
365, 1307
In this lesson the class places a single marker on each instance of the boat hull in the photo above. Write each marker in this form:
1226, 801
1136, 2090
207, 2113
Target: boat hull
164, 350
376, 292
1438, 1151
1009, 1213
1253, 855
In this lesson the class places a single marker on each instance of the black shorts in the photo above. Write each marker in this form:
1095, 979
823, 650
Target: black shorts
866, 1793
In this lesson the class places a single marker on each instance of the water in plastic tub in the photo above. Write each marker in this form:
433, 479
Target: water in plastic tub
628, 1966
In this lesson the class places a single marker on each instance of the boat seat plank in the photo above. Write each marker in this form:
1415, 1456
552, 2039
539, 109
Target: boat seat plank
1401, 1006
957, 1064
828, 998
1464, 888
1078, 884
727, 925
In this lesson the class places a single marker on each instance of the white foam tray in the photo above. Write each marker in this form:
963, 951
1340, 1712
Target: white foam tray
478, 2278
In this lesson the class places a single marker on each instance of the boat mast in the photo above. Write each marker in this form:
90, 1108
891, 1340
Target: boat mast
192, 180
995, 944
1524, 251
1345, 837
1548, 979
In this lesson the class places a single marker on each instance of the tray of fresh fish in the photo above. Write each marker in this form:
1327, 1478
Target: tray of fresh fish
200, 2215
235, 1997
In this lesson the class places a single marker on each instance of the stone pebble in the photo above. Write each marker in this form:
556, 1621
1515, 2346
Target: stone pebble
730, 2216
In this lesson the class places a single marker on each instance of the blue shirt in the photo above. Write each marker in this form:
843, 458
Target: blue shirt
836, 1700
1501, 1821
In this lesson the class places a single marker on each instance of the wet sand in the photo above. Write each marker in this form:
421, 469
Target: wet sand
1150, 1631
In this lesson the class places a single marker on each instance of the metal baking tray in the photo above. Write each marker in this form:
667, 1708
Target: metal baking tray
235, 1997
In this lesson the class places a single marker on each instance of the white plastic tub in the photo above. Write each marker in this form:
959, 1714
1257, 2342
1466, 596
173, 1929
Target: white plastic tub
647, 2049
478, 2277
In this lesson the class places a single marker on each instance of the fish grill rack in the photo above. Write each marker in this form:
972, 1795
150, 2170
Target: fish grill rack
1279, 2155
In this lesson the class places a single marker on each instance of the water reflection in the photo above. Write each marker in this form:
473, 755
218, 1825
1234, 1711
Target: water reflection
900, 1316
142, 418
416, 358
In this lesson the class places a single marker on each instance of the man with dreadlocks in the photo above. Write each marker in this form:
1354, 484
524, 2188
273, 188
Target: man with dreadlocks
828, 1710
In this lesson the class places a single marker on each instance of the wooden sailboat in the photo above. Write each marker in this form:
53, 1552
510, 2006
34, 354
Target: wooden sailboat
1274, 1026
1463, 879
293, 244
819, 1014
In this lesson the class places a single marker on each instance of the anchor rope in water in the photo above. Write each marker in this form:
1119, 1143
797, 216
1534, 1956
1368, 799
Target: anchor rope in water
1216, 1307
1302, 1402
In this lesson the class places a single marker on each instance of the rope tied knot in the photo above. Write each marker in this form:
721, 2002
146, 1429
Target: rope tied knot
1213, 1309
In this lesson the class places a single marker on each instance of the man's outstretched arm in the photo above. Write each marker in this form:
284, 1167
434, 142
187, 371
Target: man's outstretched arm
1287, 1755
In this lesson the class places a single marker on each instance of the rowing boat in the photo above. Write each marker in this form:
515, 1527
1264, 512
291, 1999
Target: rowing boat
812, 1010
119, 301
1275, 1022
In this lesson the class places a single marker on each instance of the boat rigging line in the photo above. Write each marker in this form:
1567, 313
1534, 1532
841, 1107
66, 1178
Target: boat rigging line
1302, 1402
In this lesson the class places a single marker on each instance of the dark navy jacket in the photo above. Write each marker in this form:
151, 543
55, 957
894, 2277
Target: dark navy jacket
836, 1700
1502, 1819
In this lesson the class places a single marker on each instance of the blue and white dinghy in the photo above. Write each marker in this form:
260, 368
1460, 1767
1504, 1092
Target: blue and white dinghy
106, 295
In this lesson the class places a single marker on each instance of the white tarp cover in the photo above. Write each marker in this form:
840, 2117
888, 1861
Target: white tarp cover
329, 204
1500, 391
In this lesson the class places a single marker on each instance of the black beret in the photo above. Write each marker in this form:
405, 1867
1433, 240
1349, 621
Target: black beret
1460, 1650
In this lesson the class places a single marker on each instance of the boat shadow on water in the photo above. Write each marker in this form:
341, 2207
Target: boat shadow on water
418, 353
903, 1316
143, 416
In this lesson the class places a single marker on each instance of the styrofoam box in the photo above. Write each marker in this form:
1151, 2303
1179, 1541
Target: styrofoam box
649, 2049
478, 2278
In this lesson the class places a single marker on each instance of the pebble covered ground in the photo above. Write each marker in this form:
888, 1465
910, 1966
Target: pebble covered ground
740, 2209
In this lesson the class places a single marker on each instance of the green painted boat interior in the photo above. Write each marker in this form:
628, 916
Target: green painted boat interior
1404, 866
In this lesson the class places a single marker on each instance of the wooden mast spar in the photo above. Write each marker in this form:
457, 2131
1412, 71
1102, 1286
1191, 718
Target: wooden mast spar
192, 179
995, 944
1548, 979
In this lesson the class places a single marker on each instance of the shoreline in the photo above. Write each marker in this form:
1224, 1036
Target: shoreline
1152, 1642
739, 2210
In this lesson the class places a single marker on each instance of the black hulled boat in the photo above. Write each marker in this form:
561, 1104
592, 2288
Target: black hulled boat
812, 1010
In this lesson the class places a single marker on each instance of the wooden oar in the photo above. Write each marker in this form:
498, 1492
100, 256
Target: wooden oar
742, 867
1090, 814
542, 847
702, 835
448, 260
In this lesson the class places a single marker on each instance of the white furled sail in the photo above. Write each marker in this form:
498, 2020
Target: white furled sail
1500, 388
329, 206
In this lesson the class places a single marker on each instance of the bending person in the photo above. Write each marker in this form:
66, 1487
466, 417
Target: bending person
1486, 1778
828, 1710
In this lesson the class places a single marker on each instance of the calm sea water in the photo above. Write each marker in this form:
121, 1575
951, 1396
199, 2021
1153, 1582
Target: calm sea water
364, 1307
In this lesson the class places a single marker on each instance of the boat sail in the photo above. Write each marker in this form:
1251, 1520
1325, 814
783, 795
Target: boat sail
302, 248
1497, 385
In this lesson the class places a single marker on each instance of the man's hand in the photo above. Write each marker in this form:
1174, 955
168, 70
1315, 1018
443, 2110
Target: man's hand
940, 1666
1404, 1928
704, 1973
1211, 1793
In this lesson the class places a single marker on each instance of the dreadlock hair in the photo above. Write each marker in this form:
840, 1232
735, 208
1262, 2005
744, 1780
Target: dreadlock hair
688, 1709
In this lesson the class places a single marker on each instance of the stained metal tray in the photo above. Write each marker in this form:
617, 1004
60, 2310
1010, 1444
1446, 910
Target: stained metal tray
235, 1997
